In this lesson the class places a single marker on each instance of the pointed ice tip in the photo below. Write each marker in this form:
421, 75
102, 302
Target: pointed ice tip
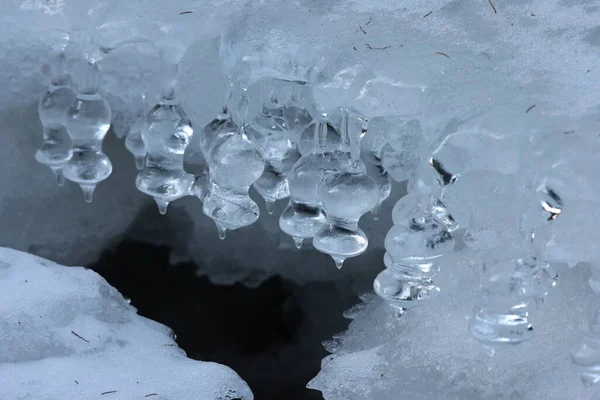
270, 205
339, 262
375, 213
222, 231
140, 162
162, 205
298, 242
88, 192
60, 178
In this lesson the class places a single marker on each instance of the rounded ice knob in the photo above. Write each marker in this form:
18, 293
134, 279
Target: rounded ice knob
234, 166
303, 216
413, 246
166, 134
215, 130
277, 143
56, 149
346, 197
87, 122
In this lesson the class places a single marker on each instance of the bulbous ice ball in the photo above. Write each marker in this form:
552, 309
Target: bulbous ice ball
166, 134
56, 149
234, 165
419, 239
168, 130
501, 312
88, 119
268, 134
87, 122
306, 175
414, 247
275, 132
303, 216
273, 184
346, 197
216, 129
53, 106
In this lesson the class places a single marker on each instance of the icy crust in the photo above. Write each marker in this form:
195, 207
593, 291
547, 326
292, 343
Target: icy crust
67, 334
427, 354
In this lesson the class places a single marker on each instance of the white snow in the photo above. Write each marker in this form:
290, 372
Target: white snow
65, 333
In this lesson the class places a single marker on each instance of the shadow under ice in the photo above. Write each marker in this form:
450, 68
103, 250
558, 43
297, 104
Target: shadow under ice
270, 335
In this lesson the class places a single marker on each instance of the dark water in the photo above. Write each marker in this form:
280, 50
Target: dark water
270, 335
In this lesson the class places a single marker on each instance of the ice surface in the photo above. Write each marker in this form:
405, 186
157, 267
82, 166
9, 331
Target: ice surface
427, 353
67, 334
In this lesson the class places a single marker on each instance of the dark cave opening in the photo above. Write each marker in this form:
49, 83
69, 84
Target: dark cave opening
270, 335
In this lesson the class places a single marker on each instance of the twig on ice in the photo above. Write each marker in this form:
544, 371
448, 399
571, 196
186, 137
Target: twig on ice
80, 337
376, 48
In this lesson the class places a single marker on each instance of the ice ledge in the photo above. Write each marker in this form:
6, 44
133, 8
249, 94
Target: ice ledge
65, 333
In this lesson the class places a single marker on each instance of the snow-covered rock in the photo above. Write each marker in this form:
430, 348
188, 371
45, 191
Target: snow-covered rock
65, 333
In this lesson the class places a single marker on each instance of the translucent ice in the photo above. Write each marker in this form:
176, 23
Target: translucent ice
303, 216
234, 166
165, 134
417, 356
414, 249
53, 108
346, 195
509, 290
87, 122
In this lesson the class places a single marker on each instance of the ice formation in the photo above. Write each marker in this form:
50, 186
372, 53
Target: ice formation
66, 333
488, 111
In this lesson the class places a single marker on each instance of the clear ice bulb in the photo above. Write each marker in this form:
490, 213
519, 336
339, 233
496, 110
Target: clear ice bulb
166, 134
234, 165
303, 216
414, 247
87, 122
56, 150
509, 288
346, 197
